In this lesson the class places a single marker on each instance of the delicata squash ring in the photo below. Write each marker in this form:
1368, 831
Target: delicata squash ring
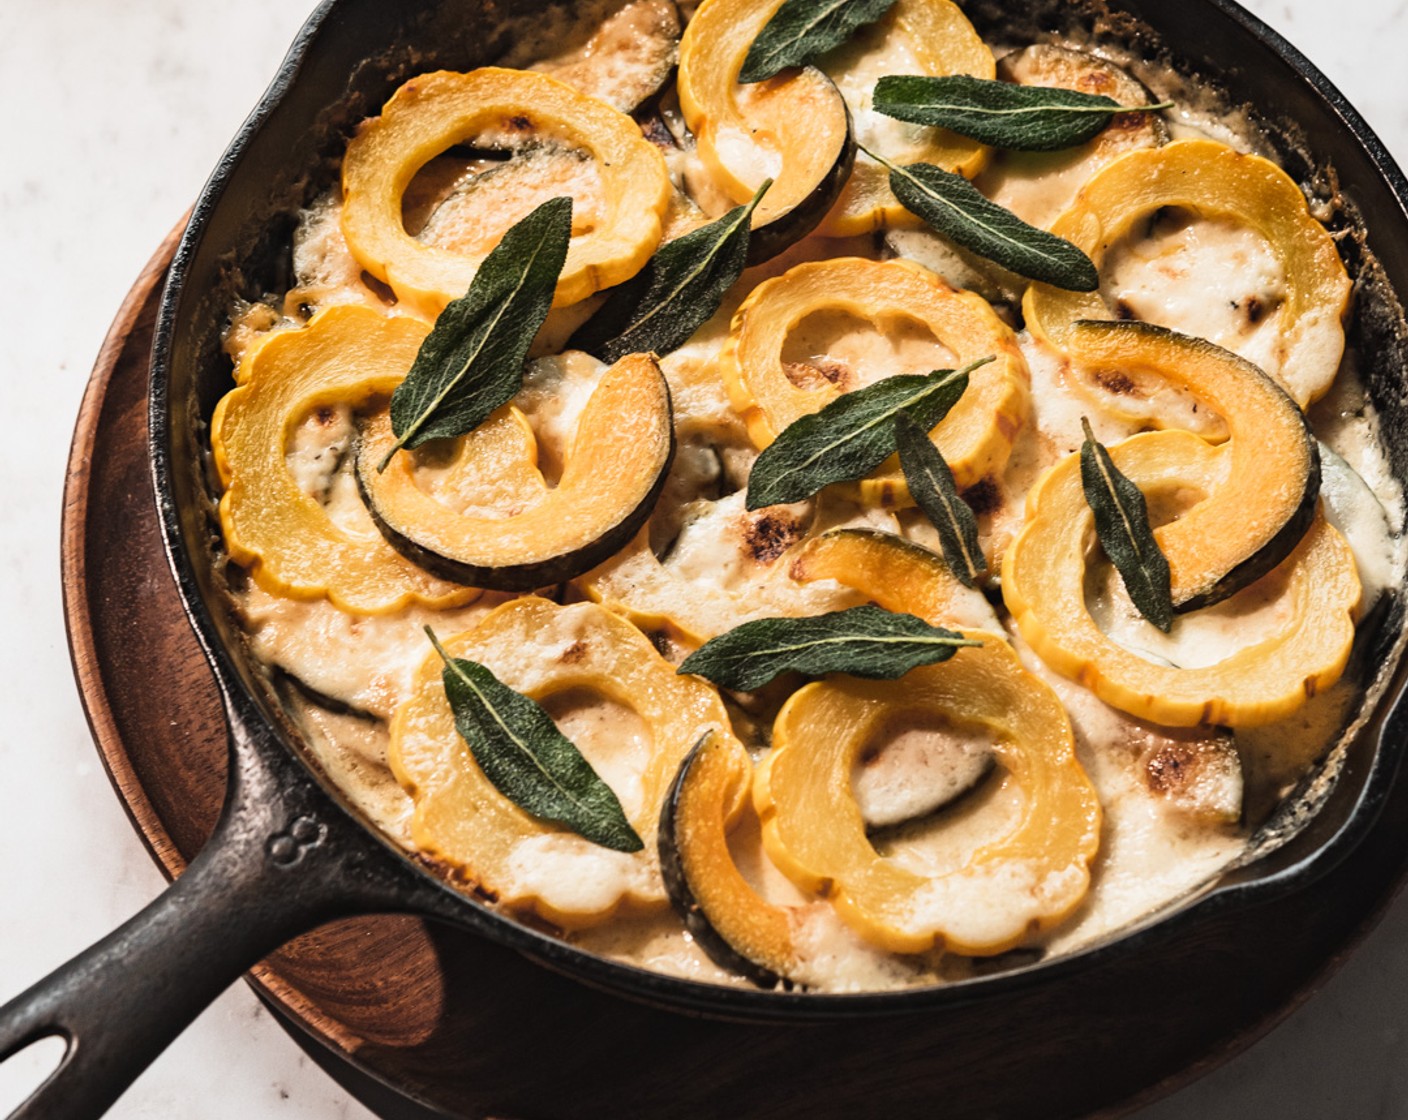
433, 112
620, 454
1212, 180
1028, 880
1043, 584
539, 649
975, 437
793, 128
347, 354
1025, 881
1265, 499
942, 42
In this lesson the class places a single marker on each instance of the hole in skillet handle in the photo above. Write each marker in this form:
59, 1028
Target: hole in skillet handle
284, 858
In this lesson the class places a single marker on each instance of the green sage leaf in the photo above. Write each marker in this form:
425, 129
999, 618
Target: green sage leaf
852, 435
956, 209
472, 361
1122, 524
932, 487
661, 306
1003, 114
528, 759
802, 29
866, 642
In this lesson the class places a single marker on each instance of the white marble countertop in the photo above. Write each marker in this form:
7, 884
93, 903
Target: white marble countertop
115, 113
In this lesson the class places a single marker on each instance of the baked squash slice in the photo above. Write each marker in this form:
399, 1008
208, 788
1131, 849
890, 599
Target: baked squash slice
1251, 519
932, 38
737, 927
975, 437
900, 574
1212, 180
794, 128
1026, 880
620, 454
433, 112
283, 536
544, 650
1043, 584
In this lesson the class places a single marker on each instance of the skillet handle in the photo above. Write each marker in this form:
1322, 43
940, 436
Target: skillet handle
284, 858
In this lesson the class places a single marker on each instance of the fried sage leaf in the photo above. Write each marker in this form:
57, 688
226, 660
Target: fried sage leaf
852, 435
528, 759
1003, 114
661, 306
1122, 524
472, 361
863, 641
802, 29
932, 487
955, 208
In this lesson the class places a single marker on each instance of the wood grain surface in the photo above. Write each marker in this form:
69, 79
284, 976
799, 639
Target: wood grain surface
473, 1029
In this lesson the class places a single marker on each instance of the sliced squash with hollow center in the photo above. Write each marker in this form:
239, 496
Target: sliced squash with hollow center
432, 113
1039, 186
975, 437
1213, 181
739, 929
1026, 880
1043, 584
932, 38
794, 128
898, 574
284, 536
620, 454
640, 720
1252, 519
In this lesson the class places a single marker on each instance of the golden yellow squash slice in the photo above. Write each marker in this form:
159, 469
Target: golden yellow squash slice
647, 718
926, 37
284, 536
611, 239
793, 129
1212, 180
1044, 580
1021, 882
1264, 498
976, 436
612, 475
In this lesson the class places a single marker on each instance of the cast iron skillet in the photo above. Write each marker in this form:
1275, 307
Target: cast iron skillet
289, 852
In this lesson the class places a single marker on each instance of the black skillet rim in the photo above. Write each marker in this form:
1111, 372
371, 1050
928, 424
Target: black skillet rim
694, 996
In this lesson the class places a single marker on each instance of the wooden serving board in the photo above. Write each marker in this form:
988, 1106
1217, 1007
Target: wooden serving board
472, 1029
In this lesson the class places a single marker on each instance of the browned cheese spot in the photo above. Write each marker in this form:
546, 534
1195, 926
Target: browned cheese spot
816, 375
983, 496
771, 534
574, 653
1114, 382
